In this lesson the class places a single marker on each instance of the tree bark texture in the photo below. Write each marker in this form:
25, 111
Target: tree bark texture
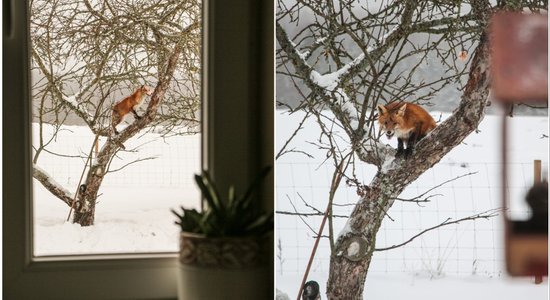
348, 270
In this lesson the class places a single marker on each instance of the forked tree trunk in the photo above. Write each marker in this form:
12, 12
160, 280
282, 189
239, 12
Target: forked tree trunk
348, 269
84, 212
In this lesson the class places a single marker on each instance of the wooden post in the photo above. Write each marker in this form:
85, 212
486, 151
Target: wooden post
537, 178
313, 251
537, 170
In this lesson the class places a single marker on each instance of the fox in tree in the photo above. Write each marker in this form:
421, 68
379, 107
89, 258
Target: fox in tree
129, 104
408, 121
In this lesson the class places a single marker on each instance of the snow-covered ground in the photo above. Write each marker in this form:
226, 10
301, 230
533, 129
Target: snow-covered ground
463, 261
133, 211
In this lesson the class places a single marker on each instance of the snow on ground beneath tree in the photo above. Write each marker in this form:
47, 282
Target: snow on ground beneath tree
133, 209
421, 287
128, 220
464, 261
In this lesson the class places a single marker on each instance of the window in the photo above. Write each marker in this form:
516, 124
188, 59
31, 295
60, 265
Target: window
96, 162
238, 139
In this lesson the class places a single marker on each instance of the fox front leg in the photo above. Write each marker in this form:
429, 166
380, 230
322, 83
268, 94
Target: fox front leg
135, 114
411, 142
115, 120
399, 147
415, 136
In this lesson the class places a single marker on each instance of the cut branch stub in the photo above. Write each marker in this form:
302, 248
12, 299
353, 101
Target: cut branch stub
354, 248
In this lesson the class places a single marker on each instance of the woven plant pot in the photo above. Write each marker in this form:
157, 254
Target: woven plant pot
223, 268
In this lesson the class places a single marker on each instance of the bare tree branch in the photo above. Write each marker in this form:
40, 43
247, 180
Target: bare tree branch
51, 185
484, 215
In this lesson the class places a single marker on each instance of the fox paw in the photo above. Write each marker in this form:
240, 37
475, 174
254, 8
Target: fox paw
408, 153
399, 153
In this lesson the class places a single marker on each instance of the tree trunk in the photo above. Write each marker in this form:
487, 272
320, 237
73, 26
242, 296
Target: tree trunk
84, 211
348, 268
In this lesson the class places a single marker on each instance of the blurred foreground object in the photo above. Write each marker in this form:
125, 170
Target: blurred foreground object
520, 57
520, 75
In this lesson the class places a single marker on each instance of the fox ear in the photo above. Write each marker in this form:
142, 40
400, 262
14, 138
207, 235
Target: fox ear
381, 109
401, 111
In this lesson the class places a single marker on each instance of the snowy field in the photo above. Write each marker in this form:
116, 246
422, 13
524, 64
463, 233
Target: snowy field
133, 212
463, 261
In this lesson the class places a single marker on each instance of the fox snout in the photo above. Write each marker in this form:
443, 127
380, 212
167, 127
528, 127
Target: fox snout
389, 134
147, 89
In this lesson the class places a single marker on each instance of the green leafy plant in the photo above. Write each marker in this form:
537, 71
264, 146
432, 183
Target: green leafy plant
233, 216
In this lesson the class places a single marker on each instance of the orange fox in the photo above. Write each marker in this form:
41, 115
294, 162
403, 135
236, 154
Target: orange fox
408, 121
128, 104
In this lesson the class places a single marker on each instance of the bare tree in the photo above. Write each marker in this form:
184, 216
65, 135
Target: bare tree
346, 57
86, 55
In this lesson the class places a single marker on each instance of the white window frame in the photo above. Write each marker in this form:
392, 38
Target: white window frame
238, 101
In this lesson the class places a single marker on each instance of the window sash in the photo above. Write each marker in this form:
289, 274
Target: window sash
242, 130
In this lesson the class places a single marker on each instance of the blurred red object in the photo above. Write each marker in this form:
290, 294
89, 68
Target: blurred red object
519, 64
463, 55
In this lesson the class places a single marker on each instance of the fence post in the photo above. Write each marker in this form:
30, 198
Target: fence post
537, 178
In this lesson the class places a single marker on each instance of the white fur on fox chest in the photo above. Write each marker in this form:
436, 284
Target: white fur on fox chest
403, 134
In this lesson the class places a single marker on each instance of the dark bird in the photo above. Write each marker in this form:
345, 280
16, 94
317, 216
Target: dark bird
311, 291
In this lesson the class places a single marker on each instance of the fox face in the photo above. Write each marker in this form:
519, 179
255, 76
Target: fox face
391, 121
147, 90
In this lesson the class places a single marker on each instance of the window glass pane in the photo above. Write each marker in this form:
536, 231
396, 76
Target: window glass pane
116, 122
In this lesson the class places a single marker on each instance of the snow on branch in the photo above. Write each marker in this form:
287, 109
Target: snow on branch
377, 153
387, 34
331, 81
51, 185
76, 107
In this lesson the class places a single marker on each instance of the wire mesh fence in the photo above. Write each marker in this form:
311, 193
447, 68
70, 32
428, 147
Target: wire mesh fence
468, 248
149, 159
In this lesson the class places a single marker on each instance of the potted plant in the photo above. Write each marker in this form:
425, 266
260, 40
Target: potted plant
224, 248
